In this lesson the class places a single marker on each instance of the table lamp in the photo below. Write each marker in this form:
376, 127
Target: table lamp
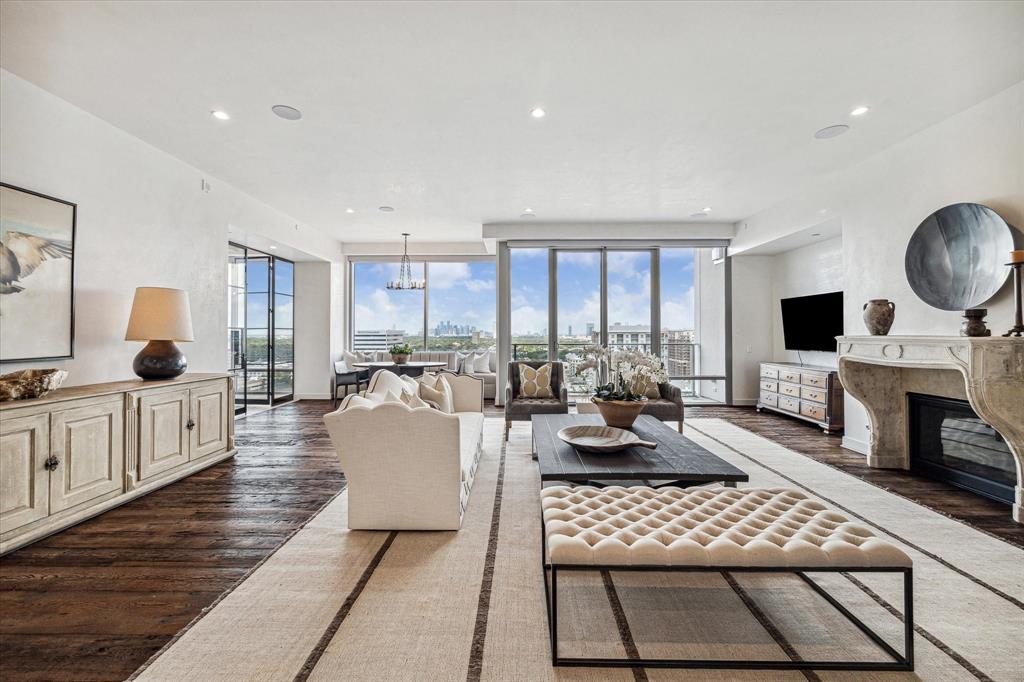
160, 317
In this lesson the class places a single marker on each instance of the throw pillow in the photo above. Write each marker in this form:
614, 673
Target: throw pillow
535, 383
413, 400
440, 393
482, 363
351, 358
411, 385
646, 387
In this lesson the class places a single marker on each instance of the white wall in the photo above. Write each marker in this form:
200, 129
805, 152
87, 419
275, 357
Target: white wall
142, 220
751, 324
312, 330
813, 269
975, 156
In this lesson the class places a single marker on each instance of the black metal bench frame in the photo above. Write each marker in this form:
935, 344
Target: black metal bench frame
900, 662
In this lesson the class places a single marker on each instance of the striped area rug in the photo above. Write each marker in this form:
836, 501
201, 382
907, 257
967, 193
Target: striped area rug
333, 604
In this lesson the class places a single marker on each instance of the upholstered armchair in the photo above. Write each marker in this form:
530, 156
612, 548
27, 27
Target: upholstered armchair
521, 409
668, 406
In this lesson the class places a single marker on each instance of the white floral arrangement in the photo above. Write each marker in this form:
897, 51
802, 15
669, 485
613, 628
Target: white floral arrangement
629, 372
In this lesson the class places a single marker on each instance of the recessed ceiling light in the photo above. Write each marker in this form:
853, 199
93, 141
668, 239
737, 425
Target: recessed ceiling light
350, 210
386, 209
860, 111
286, 112
220, 115
706, 209
273, 248
538, 112
830, 132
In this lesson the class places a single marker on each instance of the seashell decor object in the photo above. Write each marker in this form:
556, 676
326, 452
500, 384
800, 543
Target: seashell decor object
30, 383
591, 438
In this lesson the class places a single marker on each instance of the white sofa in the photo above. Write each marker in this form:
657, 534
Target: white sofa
408, 468
490, 377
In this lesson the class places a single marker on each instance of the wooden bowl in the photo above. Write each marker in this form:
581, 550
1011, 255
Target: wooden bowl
594, 438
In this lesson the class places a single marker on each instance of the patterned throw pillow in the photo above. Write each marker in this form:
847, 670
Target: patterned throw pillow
535, 383
647, 387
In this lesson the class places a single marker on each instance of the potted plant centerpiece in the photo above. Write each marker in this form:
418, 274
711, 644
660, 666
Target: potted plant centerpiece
622, 399
400, 353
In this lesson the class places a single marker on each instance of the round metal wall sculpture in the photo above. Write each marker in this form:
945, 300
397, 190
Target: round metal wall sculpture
955, 259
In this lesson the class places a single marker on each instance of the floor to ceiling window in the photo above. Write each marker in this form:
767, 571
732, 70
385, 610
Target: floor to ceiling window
454, 311
529, 304
615, 297
578, 313
261, 333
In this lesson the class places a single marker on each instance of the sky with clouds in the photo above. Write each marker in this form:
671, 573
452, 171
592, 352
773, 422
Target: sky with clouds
464, 293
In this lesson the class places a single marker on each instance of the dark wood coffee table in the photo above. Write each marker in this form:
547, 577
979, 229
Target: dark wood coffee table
676, 461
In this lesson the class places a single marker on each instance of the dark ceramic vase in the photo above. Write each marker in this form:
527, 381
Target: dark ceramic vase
159, 360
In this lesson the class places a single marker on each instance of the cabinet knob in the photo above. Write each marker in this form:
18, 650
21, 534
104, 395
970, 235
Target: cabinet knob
190, 425
51, 463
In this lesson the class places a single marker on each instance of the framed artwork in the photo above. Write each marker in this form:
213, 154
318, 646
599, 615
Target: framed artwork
37, 276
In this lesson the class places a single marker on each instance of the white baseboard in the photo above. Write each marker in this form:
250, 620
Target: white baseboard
861, 446
312, 396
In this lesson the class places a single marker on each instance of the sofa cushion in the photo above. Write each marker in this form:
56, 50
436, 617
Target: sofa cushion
530, 406
413, 400
439, 392
481, 363
535, 383
471, 425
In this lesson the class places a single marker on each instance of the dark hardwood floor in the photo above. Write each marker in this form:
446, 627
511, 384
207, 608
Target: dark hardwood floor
808, 439
96, 601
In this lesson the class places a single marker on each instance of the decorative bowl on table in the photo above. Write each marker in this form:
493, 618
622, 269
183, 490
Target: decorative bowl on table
596, 438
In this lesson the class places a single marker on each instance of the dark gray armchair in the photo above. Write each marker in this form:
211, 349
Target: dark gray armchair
668, 406
344, 376
521, 409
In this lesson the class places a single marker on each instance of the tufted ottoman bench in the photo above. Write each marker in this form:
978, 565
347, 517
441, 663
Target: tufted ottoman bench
714, 530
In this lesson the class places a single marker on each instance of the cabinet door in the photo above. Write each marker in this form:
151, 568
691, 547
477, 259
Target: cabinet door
24, 492
88, 443
210, 413
163, 432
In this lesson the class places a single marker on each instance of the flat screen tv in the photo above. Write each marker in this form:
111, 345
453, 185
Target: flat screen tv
813, 322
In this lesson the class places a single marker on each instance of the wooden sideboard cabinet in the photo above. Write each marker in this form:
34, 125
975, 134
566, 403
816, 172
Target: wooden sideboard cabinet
85, 449
806, 392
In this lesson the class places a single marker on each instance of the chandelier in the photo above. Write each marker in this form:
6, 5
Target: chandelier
405, 280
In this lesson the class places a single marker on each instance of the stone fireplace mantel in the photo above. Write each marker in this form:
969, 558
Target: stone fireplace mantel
988, 371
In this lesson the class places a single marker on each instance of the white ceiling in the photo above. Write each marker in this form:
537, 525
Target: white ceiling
654, 110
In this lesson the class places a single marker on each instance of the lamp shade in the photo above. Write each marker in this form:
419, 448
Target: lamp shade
160, 314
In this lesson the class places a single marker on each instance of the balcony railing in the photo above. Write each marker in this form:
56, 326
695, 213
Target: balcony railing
679, 358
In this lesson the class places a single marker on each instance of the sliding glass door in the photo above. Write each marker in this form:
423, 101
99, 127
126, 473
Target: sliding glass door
260, 328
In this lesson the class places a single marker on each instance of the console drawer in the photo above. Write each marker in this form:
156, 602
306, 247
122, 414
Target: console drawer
789, 375
812, 410
769, 399
817, 380
789, 404
789, 389
817, 395
769, 372
772, 386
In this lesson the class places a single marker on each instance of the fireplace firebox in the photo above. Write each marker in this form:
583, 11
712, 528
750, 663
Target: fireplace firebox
949, 442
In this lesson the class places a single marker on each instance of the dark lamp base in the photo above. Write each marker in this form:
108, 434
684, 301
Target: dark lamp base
159, 360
